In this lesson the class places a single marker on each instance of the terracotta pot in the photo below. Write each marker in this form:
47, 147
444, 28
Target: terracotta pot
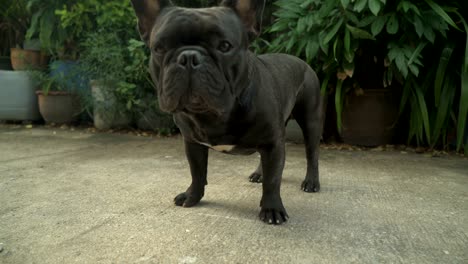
369, 119
58, 107
28, 59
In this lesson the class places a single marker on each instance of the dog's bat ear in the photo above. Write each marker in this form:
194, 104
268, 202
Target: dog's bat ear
250, 12
147, 11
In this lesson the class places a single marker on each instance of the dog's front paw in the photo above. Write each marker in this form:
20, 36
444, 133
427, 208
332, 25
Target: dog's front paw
273, 216
310, 186
256, 177
186, 199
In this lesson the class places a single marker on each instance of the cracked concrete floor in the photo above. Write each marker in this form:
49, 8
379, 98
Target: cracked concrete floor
73, 196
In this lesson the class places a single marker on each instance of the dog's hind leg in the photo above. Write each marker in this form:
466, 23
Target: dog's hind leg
308, 114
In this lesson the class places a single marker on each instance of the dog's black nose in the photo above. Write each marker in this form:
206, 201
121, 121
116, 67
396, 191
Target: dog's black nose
189, 58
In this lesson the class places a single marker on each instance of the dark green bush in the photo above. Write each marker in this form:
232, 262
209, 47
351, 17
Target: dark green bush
419, 45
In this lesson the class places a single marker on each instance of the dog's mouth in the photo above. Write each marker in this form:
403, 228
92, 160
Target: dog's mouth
198, 105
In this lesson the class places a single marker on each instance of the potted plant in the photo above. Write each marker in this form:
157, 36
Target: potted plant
15, 23
358, 46
57, 103
102, 61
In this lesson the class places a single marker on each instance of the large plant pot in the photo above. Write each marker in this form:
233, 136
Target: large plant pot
58, 107
27, 59
369, 119
107, 113
18, 100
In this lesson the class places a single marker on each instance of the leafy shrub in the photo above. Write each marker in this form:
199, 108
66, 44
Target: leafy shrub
382, 43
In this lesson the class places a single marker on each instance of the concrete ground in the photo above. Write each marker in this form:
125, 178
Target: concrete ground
81, 197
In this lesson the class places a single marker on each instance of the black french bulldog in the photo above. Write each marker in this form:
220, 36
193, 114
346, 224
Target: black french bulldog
225, 98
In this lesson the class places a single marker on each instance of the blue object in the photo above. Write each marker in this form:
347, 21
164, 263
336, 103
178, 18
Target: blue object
69, 75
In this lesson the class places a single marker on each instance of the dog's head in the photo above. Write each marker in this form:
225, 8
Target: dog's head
199, 57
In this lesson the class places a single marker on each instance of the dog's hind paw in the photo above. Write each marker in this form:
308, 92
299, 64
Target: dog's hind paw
256, 177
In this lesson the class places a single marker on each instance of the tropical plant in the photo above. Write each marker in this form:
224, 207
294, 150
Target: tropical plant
46, 26
121, 66
377, 42
14, 23
87, 16
46, 82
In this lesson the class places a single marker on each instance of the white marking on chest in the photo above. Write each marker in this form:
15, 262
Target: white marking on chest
220, 148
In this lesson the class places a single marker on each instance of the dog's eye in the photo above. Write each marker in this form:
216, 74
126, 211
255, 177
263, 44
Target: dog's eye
158, 49
224, 46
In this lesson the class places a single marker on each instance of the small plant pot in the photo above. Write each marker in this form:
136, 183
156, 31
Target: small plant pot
28, 59
107, 113
58, 107
369, 119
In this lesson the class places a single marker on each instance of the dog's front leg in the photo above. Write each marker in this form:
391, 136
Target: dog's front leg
272, 209
197, 156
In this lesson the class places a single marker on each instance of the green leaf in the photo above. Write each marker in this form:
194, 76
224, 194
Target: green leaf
400, 60
323, 47
465, 62
347, 41
421, 102
33, 28
374, 6
418, 26
443, 111
406, 6
442, 13
290, 44
378, 25
414, 69
360, 5
47, 24
333, 31
392, 25
352, 17
324, 86
339, 103
335, 48
440, 75
429, 34
463, 109
417, 52
366, 21
359, 33
300, 48
345, 3
312, 49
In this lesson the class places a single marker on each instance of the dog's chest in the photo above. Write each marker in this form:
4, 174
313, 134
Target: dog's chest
230, 149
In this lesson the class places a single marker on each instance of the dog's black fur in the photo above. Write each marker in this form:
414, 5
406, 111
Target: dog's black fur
224, 97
